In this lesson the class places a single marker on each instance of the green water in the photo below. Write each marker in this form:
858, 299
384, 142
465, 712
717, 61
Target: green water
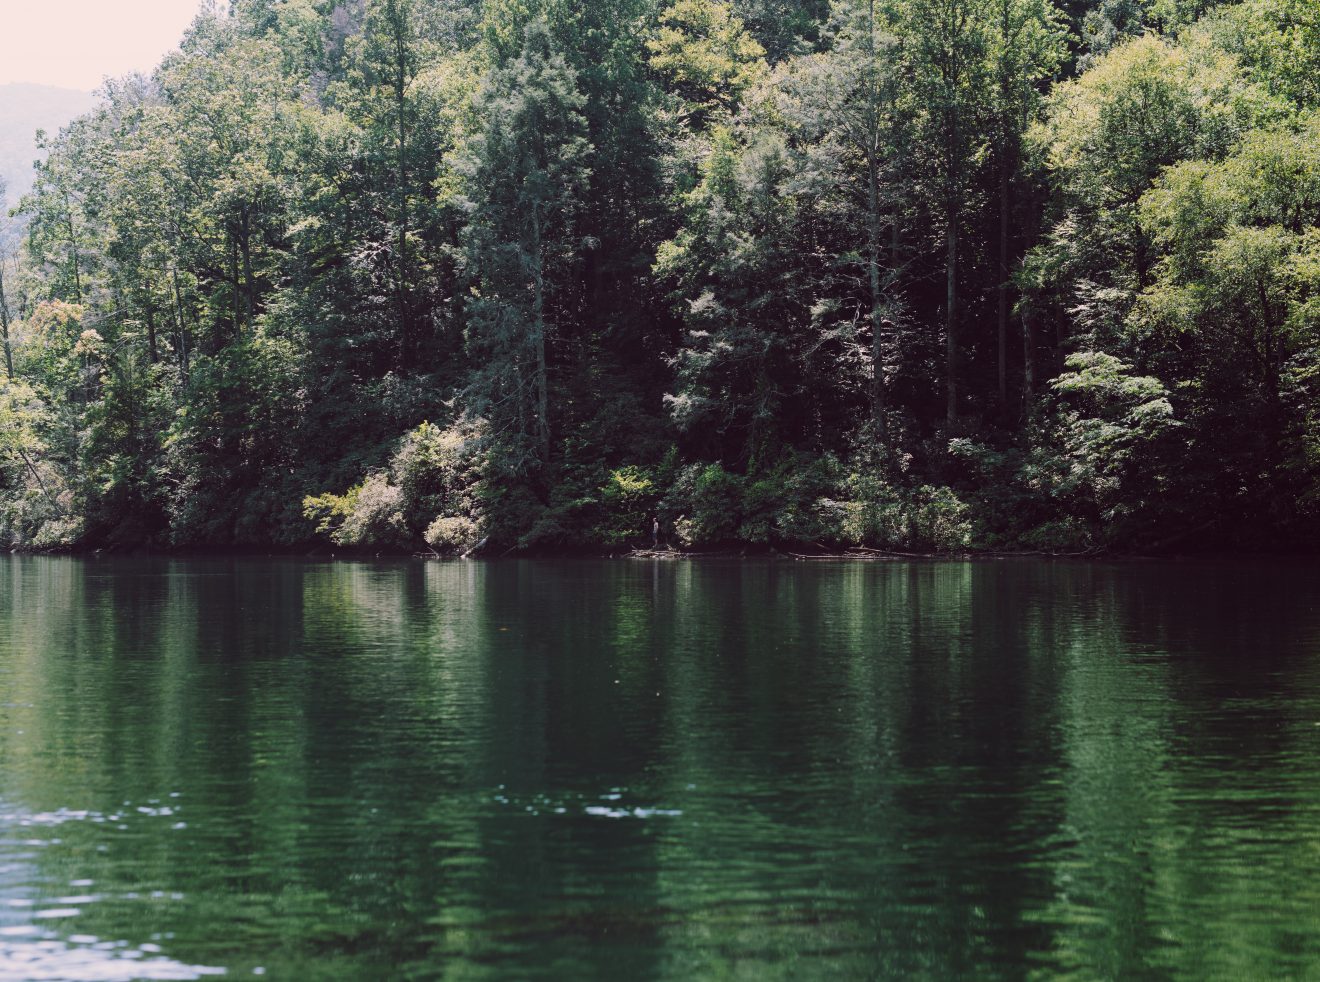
634, 770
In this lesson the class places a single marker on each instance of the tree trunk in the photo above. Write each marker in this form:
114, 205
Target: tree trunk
183, 329
1006, 159
538, 342
1004, 203
1028, 359
877, 340
1032, 208
951, 317
237, 311
73, 249
40, 483
4, 325
249, 281
152, 352
400, 92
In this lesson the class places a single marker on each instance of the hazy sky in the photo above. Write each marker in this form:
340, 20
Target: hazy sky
76, 43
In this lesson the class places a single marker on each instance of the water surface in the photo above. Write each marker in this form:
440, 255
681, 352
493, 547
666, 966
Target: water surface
636, 770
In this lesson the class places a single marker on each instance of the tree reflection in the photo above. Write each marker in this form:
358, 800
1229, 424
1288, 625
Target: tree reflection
666, 769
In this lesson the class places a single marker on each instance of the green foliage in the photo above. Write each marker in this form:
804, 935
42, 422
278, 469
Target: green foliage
1114, 435
872, 512
1278, 41
627, 502
452, 533
431, 492
791, 505
523, 175
705, 56
48, 346
35, 502
920, 275
439, 473
368, 514
330, 511
230, 448
1232, 308
711, 502
1107, 137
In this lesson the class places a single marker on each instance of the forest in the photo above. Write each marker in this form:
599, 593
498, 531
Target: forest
926, 275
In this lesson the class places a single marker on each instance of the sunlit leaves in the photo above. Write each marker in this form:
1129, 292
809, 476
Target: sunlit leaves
704, 55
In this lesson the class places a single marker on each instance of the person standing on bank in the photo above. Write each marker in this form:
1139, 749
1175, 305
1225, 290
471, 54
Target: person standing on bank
655, 532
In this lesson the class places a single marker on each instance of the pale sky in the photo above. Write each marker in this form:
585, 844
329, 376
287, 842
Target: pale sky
76, 43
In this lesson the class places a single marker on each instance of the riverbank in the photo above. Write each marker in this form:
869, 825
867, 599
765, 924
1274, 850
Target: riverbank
784, 553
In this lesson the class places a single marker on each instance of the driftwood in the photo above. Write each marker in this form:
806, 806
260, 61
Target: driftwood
853, 553
468, 553
657, 554
866, 552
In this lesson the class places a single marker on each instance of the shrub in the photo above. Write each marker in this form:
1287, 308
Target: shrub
876, 513
453, 533
1065, 534
431, 491
439, 472
29, 519
628, 499
786, 505
370, 514
710, 501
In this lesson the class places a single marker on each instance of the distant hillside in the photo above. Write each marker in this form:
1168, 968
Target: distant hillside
23, 110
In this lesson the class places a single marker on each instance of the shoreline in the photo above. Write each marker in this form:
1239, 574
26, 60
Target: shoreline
740, 553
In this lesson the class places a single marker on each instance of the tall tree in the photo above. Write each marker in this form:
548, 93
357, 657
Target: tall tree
1106, 138
846, 104
524, 174
947, 47
1027, 46
389, 61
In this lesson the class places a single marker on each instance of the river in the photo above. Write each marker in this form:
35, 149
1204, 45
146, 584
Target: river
658, 770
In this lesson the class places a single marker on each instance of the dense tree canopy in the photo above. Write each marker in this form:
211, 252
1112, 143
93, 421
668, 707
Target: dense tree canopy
926, 274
